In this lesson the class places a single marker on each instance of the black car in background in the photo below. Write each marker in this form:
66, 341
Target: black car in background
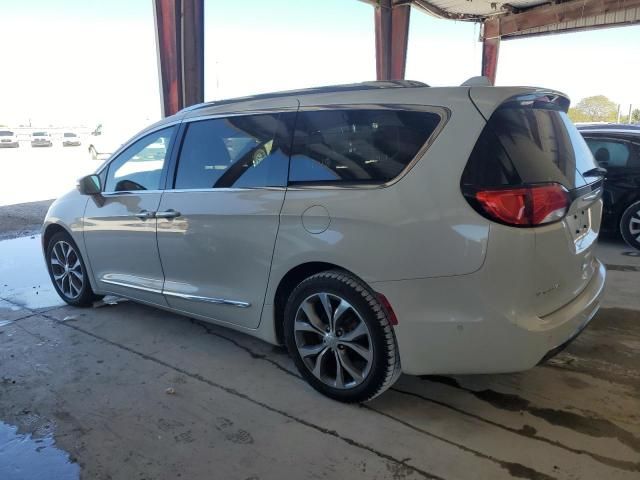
617, 149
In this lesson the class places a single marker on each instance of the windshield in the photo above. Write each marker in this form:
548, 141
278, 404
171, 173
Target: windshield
40, 134
6, 133
69, 134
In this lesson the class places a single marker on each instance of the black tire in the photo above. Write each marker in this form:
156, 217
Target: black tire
630, 225
382, 369
84, 297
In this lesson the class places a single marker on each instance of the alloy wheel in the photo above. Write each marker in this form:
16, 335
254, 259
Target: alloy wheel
66, 269
634, 225
333, 340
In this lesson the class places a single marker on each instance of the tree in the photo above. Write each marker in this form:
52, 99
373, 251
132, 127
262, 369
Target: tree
594, 109
635, 115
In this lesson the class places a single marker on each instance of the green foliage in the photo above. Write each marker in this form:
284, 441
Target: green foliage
594, 109
635, 115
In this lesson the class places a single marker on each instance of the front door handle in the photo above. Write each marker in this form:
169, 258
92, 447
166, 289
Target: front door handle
143, 214
171, 213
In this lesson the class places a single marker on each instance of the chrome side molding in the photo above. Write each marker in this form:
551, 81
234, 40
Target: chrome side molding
185, 296
223, 301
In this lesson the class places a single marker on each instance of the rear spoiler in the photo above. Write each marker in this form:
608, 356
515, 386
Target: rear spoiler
488, 99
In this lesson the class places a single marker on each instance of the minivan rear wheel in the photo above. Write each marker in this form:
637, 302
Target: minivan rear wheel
630, 225
68, 272
340, 337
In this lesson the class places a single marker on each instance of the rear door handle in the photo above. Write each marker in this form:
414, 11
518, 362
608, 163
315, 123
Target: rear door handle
143, 214
171, 213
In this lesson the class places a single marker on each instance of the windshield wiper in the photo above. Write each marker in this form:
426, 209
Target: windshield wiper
595, 172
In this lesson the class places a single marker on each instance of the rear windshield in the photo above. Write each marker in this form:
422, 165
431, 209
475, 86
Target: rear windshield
40, 134
529, 145
5, 133
69, 134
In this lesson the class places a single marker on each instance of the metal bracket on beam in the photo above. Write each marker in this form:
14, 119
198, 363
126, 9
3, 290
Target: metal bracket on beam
180, 44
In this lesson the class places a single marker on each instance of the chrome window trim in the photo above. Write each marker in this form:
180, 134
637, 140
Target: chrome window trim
218, 301
129, 192
225, 189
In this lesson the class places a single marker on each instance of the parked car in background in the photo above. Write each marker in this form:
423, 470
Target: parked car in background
8, 139
70, 139
371, 228
41, 139
617, 149
104, 141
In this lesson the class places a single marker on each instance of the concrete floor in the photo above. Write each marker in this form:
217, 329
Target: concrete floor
129, 392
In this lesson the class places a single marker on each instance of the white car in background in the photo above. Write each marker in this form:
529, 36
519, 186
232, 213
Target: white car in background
70, 139
8, 139
41, 139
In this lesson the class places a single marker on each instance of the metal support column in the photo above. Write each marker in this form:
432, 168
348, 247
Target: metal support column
180, 44
490, 49
392, 35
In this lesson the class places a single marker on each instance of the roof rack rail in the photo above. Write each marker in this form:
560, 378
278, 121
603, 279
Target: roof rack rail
371, 85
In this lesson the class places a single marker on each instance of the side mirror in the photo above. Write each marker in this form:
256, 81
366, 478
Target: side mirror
90, 185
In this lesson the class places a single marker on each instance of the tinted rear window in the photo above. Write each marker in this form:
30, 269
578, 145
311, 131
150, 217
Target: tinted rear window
5, 133
357, 146
69, 134
529, 145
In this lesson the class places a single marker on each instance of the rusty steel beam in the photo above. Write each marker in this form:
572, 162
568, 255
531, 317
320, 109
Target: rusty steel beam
550, 14
490, 50
180, 45
392, 35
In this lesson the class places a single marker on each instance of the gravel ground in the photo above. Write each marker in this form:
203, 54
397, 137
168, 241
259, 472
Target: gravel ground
22, 219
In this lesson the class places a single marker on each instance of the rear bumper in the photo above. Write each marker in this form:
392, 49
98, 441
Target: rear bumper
450, 325
70, 144
41, 144
9, 144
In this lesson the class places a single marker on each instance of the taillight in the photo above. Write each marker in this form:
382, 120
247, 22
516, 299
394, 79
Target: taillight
527, 206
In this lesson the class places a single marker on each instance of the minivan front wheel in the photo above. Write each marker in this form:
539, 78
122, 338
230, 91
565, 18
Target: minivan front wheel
340, 337
630, 225
68, 272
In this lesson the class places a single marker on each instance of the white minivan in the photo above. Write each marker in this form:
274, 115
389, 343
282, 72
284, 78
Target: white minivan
373, 229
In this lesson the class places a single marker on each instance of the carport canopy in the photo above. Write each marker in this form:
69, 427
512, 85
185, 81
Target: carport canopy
180, 34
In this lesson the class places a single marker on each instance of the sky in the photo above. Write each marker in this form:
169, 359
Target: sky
72, 62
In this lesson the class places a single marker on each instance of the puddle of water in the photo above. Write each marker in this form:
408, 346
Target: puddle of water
24, 279
23, 457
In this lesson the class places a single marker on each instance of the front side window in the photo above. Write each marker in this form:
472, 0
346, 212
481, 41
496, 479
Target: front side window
609, 152
139, 167
241, 152
357, 146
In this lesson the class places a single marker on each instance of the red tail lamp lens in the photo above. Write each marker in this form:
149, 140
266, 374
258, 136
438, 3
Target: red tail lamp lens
525, 206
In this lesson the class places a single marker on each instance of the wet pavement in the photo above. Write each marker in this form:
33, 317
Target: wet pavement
132, 392
25, 457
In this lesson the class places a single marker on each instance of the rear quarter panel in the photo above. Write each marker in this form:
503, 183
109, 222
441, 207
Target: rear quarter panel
420, 226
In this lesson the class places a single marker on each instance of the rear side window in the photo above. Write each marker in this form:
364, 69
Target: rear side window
357, 146
609, 152
528, 146
242, 152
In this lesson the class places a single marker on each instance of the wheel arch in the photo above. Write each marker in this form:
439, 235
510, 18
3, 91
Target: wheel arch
50, 230
290, 281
